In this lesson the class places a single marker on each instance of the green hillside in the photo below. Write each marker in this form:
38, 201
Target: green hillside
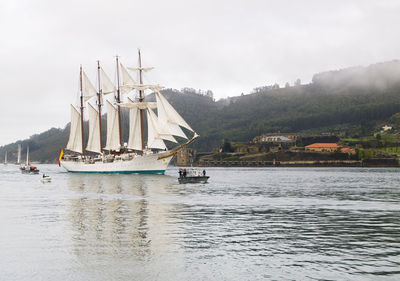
351, 101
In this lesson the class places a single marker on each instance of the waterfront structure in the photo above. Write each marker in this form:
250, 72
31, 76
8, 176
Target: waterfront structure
186, 157
275, 138
348, 150
323, 147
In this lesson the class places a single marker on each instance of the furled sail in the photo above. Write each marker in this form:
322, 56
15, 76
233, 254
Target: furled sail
173, 128
107, 85
145, 69
94, 130
142, 87
153, 139
127, 81
113, 140
172, 115
87, 87
135, 133
75, 133
140, 105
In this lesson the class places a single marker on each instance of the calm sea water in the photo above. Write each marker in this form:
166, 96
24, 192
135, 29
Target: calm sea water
246, 224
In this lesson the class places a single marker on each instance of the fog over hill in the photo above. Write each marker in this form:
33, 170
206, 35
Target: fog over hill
351, 101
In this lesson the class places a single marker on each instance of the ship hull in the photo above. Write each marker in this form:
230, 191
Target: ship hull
146, 164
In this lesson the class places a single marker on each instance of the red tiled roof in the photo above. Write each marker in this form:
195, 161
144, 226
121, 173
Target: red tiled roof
323, 145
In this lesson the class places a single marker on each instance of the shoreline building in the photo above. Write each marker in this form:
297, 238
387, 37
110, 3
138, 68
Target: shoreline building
323, 147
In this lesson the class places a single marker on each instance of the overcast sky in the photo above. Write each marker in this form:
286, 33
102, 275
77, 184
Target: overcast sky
229, 47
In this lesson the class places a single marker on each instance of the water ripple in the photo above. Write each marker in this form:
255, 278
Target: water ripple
246, 224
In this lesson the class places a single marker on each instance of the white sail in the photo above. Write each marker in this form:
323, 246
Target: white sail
87, 87
153, 140
107, 85
27, 155
160, 131
94, 130
75, 133
5, 158
173, 128
172, 115
113, 140
135, 133
19, 155
127, 81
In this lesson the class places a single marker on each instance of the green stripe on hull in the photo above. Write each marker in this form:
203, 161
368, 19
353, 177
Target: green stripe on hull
120, 172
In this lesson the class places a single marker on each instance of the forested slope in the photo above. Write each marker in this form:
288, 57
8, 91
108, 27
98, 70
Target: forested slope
353, 101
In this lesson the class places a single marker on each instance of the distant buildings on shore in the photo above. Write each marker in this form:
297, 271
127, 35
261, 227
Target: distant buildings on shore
322, 147
329, 147
274, 139
267, 143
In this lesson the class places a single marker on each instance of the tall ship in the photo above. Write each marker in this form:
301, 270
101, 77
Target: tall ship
146, 150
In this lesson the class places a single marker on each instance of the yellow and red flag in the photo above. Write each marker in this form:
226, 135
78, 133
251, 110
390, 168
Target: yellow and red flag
60, 157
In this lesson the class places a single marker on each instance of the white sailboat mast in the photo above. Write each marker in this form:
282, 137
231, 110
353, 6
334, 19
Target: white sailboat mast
118, 102
81, 98
141, 97
99, 95
19, 155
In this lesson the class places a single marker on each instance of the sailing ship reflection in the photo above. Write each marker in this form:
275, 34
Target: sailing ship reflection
119, 215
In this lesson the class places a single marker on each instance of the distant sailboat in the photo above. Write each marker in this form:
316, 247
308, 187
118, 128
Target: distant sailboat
138, 155
19, 155
5, 159
28, 168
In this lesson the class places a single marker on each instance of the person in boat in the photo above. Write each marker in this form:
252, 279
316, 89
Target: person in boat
180, 173
184, 173
204, 173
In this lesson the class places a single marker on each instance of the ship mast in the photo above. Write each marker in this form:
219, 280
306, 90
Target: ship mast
19, 155
118, 102
81, 98
141, 96
99, 94
27, 155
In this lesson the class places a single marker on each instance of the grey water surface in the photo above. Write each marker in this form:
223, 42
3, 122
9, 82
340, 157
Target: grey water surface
246, 224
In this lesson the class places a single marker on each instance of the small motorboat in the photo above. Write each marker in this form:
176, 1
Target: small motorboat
45, 178
193, 176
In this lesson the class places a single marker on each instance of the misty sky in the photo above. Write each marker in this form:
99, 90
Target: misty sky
228, 47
